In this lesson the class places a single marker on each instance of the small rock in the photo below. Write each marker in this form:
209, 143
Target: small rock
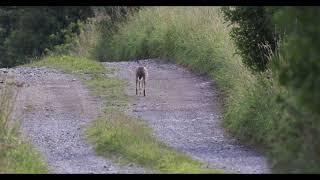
20, 84
4, 70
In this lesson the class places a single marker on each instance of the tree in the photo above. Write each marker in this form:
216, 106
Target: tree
299, 61
25, 32
252, 28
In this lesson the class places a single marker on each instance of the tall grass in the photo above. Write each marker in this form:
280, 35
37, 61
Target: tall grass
16, 154
198, 38
80, 45
195, 37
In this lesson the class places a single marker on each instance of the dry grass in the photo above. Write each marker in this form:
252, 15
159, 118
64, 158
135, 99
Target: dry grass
17, 155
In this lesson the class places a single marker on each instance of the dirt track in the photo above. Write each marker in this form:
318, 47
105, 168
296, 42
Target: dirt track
185, 112
55, 106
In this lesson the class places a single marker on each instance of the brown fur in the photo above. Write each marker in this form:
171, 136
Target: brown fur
141, 76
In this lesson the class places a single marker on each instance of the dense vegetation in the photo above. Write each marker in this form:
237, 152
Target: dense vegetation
30, 32
297, 63
27, 31
255, 29
298, 70
295, 68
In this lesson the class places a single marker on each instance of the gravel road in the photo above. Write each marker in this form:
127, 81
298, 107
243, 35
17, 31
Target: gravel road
54, 108
184, 111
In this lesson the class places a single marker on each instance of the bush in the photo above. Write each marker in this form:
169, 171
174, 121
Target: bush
27, 31
253, 29
90, 31
299, 67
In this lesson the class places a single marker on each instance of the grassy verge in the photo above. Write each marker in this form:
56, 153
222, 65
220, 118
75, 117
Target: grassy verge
16, 155
198, 38
115, 133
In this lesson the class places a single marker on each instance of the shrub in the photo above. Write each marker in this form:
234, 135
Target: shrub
253, 28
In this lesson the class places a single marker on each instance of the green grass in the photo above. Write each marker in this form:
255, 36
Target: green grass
71, 65
254, 111
116, 134
17, 155
20, 157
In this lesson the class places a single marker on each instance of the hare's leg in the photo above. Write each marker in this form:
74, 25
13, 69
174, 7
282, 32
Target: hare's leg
136, 85
144, 86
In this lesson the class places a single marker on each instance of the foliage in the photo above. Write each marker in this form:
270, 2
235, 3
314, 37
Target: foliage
299, 67
27, 31
253, 29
